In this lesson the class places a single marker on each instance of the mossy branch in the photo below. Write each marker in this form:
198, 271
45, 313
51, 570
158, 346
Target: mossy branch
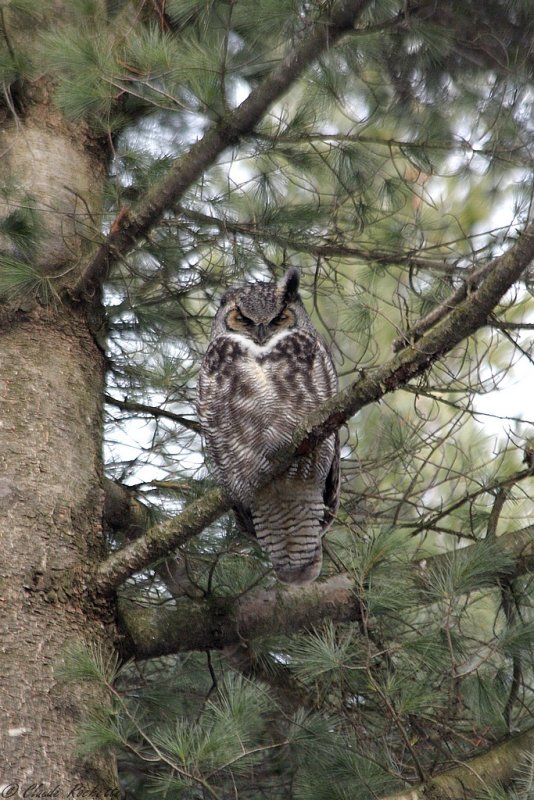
497, 766
155, 630
207, 624
463, 320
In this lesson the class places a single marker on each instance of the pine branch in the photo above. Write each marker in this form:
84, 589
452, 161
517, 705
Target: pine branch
474, 40
474, 776
153, 630
462, 321
442, 309
152, 411
500, 485
207, 624
452, 145
252, 231
131, 224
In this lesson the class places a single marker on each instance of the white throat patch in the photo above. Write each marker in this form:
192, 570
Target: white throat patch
259, 349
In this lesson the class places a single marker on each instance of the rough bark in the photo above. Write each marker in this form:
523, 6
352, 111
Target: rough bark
51, 498
48, 172
152, 631
51, 505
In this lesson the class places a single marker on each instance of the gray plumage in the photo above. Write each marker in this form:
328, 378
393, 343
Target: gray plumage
265, 369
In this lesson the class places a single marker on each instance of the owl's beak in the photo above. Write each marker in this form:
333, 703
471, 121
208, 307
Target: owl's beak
261, 333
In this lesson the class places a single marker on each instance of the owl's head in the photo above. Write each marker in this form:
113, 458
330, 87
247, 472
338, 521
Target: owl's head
262, 310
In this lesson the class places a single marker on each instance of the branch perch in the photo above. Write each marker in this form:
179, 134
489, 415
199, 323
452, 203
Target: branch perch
190, 625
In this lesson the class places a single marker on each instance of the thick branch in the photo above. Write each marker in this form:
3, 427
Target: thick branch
159, 541
131, 225
199, 624
207, 624
123, 512
462, 321
473, 777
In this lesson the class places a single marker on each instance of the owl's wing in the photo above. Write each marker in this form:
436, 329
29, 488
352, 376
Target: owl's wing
331, 488
325, 378
244, 521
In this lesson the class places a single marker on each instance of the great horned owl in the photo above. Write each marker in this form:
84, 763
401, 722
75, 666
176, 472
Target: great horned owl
265, 369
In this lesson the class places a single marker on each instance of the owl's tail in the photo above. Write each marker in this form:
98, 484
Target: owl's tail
289, 521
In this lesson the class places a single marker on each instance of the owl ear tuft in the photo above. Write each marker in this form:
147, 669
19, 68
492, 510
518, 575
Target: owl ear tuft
226, 296
288, 286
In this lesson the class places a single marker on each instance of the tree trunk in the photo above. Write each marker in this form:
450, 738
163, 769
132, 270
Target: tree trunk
51, 498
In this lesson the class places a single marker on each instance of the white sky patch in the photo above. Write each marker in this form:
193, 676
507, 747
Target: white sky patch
512, 400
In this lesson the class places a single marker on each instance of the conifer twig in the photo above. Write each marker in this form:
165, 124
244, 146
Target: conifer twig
153, 411
414, 333
254, 231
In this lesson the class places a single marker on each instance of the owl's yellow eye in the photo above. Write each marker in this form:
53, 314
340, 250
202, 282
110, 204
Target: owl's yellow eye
284, 319
236, 320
